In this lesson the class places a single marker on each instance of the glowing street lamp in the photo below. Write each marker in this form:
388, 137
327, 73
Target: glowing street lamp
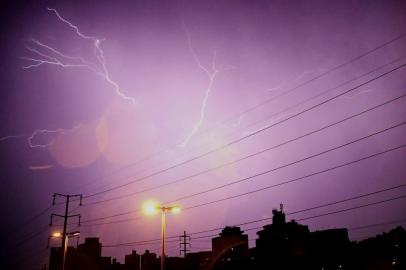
175, 209
67, 236
153, 208
57, 234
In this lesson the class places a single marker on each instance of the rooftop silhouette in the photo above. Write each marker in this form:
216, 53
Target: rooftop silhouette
280, 245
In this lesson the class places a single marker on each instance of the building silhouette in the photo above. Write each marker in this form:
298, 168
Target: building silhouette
280, 245
385, 251
149, 261
198, 260
133, 260
230, 249
329, 249
86, 256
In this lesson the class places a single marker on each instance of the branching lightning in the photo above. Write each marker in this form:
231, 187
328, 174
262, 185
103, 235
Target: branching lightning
211, 75
46, 54
31, 138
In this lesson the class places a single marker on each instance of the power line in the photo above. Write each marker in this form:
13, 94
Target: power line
353, 208
321, 75
349, 229
267, 187
285, 165
326, 91
26, 258
282, 113
273, 170
250, 155
34, 217
348, 62
204, 238
139, 243
306, 218
312, 208
30, 220
399, 221
245, 137
30, 236
265, 219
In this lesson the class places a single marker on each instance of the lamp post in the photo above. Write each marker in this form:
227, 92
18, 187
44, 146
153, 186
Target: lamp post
154, 208
65, 247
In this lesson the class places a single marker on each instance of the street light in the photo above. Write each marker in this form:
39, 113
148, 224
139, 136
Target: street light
151, 208
67, 236
56, 234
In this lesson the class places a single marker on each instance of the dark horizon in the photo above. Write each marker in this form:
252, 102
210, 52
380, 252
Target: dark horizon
283, 243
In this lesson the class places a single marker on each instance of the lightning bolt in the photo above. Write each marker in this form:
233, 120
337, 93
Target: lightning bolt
31, 138
12, 137
46, 54
211, 75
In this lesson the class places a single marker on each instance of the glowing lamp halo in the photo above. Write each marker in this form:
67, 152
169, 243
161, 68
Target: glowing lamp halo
175, 209
151, 208
57, 234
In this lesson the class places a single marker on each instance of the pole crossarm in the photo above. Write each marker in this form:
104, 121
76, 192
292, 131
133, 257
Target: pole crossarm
65, 235
67, 196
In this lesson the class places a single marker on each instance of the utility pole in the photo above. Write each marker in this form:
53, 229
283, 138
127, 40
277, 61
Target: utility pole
184, 244
65, 217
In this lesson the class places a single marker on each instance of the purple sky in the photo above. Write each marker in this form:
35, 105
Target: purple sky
136, 79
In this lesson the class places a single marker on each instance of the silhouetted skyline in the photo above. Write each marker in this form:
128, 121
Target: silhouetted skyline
281, 244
